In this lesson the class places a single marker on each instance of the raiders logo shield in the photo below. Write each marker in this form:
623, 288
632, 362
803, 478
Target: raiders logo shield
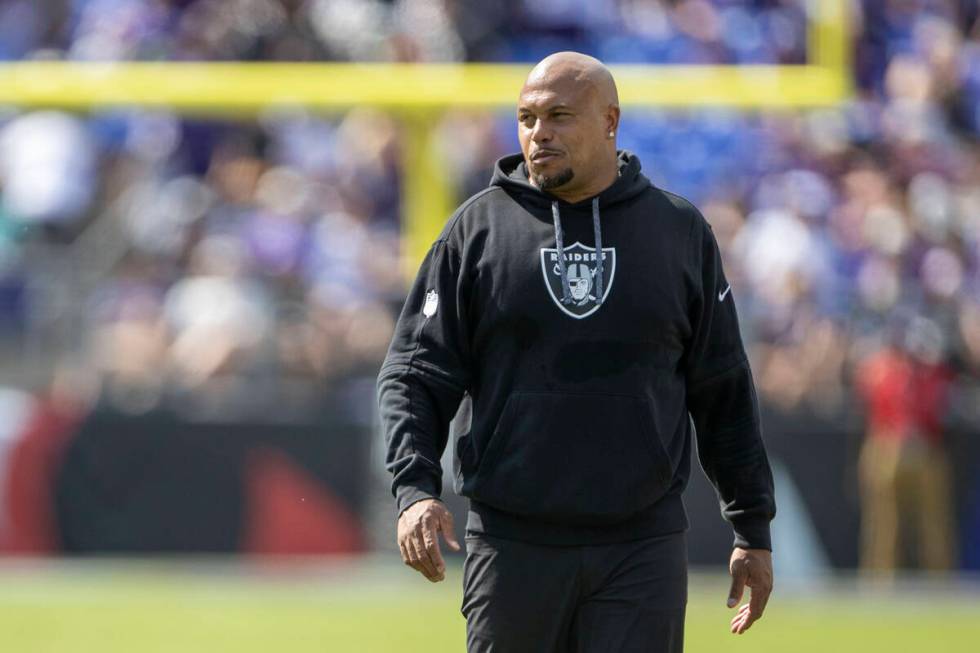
580, 262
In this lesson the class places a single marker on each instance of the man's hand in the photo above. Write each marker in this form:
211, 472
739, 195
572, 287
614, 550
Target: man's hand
752, 567
418, 528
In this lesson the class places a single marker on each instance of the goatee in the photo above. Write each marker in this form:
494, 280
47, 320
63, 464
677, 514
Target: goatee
547, 182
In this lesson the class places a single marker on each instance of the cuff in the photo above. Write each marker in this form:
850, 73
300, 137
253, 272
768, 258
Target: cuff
752, 534
406, 495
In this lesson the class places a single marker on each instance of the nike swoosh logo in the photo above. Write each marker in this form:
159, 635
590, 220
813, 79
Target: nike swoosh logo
721, 295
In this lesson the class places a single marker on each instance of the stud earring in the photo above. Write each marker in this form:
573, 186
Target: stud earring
611, 134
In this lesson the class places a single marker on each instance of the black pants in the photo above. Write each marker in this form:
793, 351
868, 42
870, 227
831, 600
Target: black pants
614, 598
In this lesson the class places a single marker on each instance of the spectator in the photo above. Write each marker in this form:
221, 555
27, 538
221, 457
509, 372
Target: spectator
905, 478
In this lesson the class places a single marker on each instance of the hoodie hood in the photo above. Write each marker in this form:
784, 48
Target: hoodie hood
510, 173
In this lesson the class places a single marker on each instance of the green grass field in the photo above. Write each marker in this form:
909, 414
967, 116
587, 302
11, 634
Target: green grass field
371, 607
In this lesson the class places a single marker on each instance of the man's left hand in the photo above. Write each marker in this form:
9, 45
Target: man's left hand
751, 567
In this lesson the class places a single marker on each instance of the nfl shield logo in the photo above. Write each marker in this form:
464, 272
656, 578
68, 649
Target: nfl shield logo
580, 262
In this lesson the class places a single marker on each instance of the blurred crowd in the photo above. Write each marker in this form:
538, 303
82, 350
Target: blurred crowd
270, 249
691, 31
205, 251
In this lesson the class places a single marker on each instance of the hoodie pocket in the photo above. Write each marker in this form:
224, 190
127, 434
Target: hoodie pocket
573, 458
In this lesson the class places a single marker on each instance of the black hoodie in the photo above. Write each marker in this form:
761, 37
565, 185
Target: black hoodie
583, 401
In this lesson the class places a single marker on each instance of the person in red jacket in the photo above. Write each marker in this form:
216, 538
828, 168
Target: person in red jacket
904, 471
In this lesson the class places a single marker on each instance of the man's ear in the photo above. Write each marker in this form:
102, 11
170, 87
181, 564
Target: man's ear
612, 118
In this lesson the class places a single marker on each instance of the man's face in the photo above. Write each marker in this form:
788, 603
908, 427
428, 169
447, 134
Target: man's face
561, 127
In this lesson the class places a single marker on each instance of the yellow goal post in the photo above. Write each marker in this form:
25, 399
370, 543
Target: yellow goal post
417, 93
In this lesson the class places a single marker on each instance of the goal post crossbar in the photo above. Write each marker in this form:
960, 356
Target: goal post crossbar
418, 92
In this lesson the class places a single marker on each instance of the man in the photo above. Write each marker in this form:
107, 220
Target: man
583, 389
904, 470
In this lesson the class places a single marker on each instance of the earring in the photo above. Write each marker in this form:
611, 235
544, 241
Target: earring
611, 134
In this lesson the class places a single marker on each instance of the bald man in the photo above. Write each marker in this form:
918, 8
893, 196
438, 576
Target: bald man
577, 322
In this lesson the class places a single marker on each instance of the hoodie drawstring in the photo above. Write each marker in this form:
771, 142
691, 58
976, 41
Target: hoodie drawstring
597, 231
566, 293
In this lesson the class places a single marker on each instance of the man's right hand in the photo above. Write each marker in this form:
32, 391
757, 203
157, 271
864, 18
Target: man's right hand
418, 528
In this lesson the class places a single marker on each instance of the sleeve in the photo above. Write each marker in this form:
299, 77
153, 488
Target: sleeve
423, 377
722, 401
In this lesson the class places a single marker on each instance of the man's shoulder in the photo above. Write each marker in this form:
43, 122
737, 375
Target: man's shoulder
683, 206
678, 210
471, 210
488, 195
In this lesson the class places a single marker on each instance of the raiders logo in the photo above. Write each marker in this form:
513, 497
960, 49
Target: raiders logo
580, 262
